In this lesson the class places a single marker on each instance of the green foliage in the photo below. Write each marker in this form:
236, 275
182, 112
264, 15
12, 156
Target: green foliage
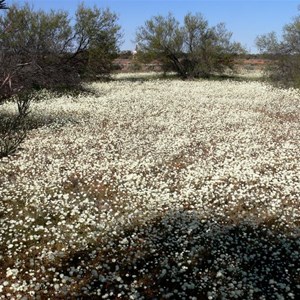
44, 50
285, 53
98, 38
34, 46
125, 54
161, 38
192, 50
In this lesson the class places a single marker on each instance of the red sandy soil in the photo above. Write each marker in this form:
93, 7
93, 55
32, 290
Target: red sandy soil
127, 65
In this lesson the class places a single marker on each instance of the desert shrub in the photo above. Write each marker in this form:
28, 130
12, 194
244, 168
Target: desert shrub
125, 54
13, 128
284, 68
192, 50
45, 50
34, 47
135, 66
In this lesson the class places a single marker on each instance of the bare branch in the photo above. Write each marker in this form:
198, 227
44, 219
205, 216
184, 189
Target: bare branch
3, 4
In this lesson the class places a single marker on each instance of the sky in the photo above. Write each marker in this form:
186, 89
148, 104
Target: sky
246, 19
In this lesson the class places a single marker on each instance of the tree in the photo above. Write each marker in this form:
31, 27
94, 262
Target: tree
192, 50
98, 38
161, 38
43, 50
33, 47
285, 53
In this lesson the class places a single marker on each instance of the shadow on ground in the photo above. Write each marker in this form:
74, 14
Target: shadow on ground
181, 256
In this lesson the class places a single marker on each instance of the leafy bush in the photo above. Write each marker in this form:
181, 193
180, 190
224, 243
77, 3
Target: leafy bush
284, 53
44, 50
192, 50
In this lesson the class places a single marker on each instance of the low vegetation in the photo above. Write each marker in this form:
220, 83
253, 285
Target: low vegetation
156, 188
143, 186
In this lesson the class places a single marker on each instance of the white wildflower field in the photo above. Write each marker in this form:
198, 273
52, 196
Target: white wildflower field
155, 189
